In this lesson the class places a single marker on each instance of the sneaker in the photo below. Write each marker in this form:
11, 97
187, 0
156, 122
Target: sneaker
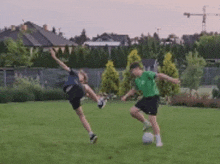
159, 144
93, 139
101, 103
147, 126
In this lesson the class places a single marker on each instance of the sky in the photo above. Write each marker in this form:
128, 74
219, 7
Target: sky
131, 17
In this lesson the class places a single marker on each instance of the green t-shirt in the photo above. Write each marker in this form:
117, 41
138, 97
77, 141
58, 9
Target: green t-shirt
146, 83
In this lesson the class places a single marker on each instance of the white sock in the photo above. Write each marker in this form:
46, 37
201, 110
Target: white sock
91, 133
158, 138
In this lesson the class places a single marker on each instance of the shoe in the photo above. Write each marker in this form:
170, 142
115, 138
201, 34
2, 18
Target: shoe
101, 103
159, 144
93, 139
147, 126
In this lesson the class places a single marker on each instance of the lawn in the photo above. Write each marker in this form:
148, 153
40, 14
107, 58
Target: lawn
51, 133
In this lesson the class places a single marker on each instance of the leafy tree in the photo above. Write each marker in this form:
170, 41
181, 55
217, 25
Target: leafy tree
191, 77
110, 79
166, 88
128, 80
17, 54
209, 46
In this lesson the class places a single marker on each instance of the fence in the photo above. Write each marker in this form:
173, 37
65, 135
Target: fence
56, 77
49, 77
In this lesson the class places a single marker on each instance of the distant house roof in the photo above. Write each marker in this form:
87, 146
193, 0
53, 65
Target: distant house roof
102, 44
123, 39
148, 62
38, 37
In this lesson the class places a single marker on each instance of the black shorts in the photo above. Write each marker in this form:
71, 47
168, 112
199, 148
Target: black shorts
149, 105
76, 102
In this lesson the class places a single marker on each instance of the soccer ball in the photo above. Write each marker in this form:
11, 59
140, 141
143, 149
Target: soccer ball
148, 138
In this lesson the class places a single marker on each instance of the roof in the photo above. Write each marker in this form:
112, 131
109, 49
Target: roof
148, 62
113, 37
37, 37
89, 43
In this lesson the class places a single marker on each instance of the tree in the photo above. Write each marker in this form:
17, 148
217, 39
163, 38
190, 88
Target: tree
209, 46
80, 39
43, 59
128, 80
17, 54
110, 79
166, 88
72, 59
193, 73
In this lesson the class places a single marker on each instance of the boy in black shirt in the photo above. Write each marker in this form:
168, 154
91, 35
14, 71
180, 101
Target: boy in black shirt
76, 87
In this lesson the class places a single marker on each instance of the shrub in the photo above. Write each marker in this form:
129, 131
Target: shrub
4, 96
110, 79
54, 94
203, 100
21, 95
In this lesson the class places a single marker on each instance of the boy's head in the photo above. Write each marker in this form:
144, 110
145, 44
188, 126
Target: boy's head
83, 77
136, 69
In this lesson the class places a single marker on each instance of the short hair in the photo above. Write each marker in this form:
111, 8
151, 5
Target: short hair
84, 75
134, 65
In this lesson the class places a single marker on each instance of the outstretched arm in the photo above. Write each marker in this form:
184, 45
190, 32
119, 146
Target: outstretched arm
130, 93
64, 66
162, 76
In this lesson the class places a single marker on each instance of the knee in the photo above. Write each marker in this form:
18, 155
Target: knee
133, 111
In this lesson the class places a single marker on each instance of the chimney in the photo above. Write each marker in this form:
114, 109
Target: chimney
45, 27
24, 27
13, 28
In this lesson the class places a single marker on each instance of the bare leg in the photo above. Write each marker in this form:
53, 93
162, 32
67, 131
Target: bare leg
136, 114
91, 93
83, 120
155, 126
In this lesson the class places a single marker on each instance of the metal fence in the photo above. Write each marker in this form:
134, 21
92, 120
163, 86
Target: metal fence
49, 77
56, 77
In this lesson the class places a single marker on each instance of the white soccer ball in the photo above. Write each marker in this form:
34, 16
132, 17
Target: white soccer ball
148, 138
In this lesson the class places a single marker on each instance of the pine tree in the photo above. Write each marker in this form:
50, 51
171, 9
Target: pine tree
72, 59
110, 79
166, 88
128, 80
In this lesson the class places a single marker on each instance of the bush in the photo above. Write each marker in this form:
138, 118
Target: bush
4, 96
54, 94
203, 100
21, 95
215, 93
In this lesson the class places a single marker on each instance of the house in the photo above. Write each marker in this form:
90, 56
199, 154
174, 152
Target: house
110, 37
36, 36
150, 64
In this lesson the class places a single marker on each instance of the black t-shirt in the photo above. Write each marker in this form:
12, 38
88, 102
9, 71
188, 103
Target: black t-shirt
73, 80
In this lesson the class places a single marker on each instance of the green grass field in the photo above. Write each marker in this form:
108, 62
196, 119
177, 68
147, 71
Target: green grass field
51, 133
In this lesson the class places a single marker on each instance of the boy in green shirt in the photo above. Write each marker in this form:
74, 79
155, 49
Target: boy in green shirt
145, 81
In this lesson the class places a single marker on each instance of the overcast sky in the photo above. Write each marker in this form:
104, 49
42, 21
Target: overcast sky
132, 17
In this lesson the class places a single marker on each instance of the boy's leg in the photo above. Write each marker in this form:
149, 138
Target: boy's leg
91, 93
136, 114
156, 129
79, 112
83, 120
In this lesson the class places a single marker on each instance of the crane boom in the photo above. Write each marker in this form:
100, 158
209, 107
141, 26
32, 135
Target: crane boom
204, 15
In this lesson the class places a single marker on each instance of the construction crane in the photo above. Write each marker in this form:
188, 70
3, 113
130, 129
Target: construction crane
204, 15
